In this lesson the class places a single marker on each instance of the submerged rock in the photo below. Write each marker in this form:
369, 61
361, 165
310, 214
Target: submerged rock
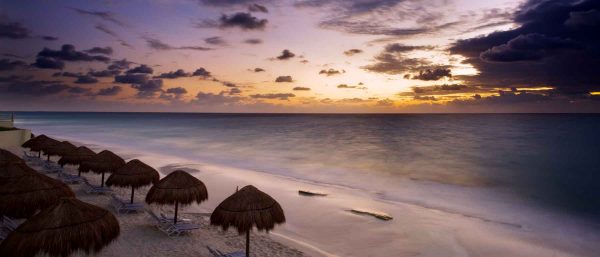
379, 215
310, 193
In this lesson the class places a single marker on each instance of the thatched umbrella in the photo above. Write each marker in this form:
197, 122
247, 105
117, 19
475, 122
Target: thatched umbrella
23, 191
68, 226
8, 157
60, 149
105, 161
134, 174
35, 142
76, 157
43, 144
179, 187
247, 208
12, 170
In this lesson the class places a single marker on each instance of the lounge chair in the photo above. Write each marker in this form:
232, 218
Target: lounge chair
50, 167
172, 229
91, 189
217, 253
170, 219
70, 179
125, 207
30, 157
10, 224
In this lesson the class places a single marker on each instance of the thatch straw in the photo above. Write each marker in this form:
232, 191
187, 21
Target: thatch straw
247, 208
134, 174
76, 157
34, 141
24, 192
8, 157
13, 170
66, 227
42, 144
60, 149
105, 161
177, 187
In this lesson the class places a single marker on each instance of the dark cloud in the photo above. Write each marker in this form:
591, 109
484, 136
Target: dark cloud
104, 15
331, 72
48, 63
352, 52
173, 74
49, 38
234, 91
229, 3
286, 55
555, 43
242, 20
159, 45
228, 84
401, 48
67, 74
7, 64
346, 86
257, 8
433, 74
174, 93
215, 99
253, 41
100, 50
104, 73
280, 96
68, 53
281, 79
201, 72
144, 69
132, 78
79, 90
13, 30
395, 64
148, 88
301, 89
110, 91
259, 70
108, 31
120, 65
215, 41
424, 98
32, 88
86, 79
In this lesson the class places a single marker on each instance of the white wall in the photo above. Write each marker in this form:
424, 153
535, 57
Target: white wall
6, 123
14, 138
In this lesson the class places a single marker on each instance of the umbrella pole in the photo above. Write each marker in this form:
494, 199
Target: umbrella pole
40, 154
132, 188
175, 217
102, 185
48, 157
248, 243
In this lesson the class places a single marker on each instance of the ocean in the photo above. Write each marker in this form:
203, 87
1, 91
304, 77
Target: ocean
503, 168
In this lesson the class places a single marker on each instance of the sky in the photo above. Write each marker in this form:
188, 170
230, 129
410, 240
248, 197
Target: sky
352, 56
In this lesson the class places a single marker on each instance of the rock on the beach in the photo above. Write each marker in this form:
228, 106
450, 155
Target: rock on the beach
310, 193
379, 215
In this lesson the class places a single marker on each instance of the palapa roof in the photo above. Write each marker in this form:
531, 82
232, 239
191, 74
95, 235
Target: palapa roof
180, 187
63, 228
8, 157
134, 174
13, 170
77, 156
34, 140
61, 148
43, 144
105, 161
247, 208
23, 191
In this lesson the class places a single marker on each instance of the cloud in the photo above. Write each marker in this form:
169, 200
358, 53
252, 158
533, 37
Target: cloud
253, 41
49, 38
104, 73
145, 69
109, 32
234, 91
173, 74
331, 72
13, 30
49, 63
67, 74
202, 72
279, 96
177, 91
86, 79
104, 15
346, 86
257, 8
301, 89
215, 99
555, 43
401, 48
100, 50
242, 20
68, 53
228, 84
132, 78
215, 41
159, 45
424, 98
7, 64
110, 91
352, 52
79, 90
282, 79
174, 93
286, 55
148, 88
394, 60
433, 74
259, 70
229, 3
120, 65
15, 85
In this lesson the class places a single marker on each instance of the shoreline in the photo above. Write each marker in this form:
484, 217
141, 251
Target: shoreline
416, 226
